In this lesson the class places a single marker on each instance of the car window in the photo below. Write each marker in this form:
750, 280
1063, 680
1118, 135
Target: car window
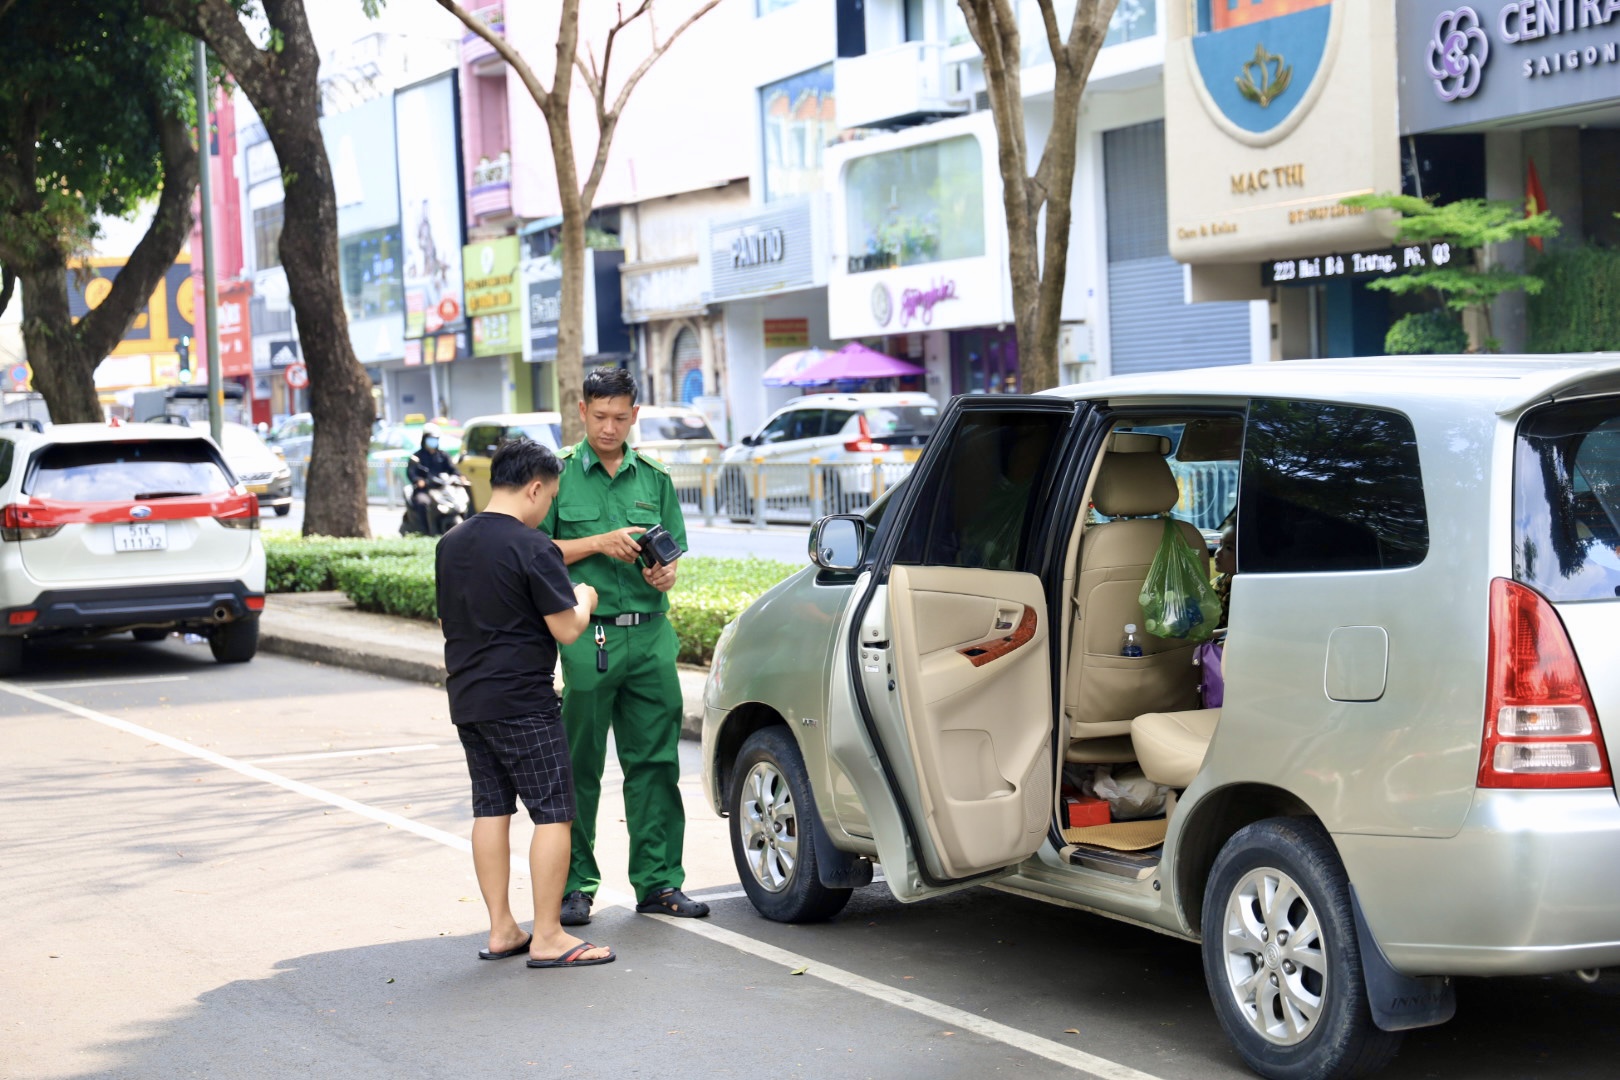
778, 429
1329, 488
1566, 500
1208, 481
978, 507
7, 453
902, 420
480, 440
120, 471
669, 428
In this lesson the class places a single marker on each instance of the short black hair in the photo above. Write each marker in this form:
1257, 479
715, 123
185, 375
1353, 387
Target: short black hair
610, 382
520, 462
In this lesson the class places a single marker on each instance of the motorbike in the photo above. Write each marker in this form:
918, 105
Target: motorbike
448, 503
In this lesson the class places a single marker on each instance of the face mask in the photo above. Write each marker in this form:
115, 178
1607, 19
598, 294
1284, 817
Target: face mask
431, 443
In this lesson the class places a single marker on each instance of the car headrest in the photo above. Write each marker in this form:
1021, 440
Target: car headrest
1134, 485
1139, 442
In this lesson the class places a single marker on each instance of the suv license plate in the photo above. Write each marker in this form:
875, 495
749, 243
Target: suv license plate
145, 536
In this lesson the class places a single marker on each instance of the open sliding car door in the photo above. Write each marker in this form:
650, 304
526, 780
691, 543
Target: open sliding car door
950, 737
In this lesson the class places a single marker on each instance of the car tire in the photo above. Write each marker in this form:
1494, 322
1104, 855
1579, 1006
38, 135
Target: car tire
283, 510
235, 642
1292, 999
772, 840
734, 493
149, 633
11, 656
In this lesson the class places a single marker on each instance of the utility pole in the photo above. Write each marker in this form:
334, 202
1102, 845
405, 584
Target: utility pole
216, 389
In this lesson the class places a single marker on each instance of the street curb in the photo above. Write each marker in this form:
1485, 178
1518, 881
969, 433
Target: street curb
399, 667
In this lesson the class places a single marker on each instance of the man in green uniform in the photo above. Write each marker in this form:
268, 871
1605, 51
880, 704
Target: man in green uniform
621, 675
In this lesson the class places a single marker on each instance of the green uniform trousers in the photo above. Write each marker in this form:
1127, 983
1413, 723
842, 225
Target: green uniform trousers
639, 699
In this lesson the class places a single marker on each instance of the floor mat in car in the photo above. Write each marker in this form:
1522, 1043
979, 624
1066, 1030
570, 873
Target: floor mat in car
1121, 835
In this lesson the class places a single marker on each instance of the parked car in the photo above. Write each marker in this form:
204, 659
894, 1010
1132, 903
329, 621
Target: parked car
293, 437
485, 433
392, 446
137, 527
850, 436
1407, 781
263, 471
675, 435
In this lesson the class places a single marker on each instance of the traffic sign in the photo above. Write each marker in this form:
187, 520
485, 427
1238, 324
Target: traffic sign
297, 376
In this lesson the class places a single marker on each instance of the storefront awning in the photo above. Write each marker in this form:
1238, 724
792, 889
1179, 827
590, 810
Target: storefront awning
540, 225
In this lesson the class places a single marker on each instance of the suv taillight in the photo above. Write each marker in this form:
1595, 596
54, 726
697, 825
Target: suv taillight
864, 444
1541, 730
25, 523
239, 512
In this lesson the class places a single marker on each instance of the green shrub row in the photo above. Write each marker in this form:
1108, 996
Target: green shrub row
309, 564
1579, 308
395, 577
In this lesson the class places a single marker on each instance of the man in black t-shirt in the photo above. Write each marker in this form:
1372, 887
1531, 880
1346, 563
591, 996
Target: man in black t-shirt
505, 601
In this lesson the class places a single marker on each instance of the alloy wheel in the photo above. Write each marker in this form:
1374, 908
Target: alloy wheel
769, 826
1276, 965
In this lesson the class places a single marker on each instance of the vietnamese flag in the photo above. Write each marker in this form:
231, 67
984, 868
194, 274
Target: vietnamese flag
1535, 200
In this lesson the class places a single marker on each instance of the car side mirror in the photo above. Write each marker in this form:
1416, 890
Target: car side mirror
838, 542
749, 440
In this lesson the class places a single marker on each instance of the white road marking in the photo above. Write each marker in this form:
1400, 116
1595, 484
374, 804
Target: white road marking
343, 753
729, 894
76, 683
958, 1019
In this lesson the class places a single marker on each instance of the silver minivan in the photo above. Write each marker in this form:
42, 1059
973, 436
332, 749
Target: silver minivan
1407, 780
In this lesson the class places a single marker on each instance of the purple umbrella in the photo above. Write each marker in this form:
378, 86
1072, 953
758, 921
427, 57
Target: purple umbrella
855, 361
786, 369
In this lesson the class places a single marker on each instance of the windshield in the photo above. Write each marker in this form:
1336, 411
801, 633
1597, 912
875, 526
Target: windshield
548, 435
901, 420
671, 428
121, 471
1566, 501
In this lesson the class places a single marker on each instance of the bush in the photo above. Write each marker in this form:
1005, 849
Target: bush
1426, 333
307, 564
1579, 310
390, 584
396, 577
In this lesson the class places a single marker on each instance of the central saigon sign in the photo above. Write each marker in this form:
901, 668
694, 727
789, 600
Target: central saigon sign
1275, 110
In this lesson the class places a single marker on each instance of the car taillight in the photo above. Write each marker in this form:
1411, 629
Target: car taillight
254, 602
239, 512
25, 523
1541, 730
864, 444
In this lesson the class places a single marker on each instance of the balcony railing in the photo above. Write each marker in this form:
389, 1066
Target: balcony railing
904, 81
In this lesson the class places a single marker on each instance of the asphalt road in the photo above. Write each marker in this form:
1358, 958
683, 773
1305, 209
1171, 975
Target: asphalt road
784, 542
261, 871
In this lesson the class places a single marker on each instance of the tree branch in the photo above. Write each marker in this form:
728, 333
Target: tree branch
102, 327
217, 23
498, 42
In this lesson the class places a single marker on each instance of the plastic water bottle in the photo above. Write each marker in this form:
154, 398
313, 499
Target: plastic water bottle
1132, 646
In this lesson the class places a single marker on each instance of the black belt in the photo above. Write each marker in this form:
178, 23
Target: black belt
632, 619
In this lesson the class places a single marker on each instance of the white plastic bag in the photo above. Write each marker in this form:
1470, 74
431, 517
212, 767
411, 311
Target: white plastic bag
1130, 795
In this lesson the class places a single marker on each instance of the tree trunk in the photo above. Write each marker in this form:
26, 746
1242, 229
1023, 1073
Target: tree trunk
64, 372
571, 324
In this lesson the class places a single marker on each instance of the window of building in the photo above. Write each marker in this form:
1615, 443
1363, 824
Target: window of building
766, 7
267, 236
1133, 20
916, 28
1329, 488
897, 203
373, 277
798, 119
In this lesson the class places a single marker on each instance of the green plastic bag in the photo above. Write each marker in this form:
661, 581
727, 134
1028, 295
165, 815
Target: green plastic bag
1178, 598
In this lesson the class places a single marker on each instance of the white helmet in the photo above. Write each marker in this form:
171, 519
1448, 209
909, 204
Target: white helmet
430, 429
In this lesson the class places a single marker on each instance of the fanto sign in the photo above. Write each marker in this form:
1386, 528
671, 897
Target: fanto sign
235, 329
1467, 64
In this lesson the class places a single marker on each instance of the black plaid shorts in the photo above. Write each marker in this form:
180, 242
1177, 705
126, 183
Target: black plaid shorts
527, 757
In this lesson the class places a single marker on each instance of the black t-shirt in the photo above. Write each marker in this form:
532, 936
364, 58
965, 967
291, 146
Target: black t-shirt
497, 581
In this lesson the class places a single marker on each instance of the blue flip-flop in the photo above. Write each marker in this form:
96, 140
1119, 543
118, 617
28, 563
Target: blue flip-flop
485, 954
571, 958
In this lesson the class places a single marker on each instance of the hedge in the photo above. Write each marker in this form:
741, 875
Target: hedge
308, 564
1578, 309
396, 577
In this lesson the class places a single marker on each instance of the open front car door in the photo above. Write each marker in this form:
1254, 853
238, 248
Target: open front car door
949, 738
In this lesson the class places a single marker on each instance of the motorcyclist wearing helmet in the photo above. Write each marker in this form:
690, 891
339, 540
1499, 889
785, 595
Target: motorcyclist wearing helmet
424, 466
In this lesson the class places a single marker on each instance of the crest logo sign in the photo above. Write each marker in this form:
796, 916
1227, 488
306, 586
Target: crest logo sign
1457, 54
1261, 63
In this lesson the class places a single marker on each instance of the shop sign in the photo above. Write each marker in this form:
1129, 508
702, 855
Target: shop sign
764, 251
917, 305
167, 317
494, 296
787, 333
1382, 262
543, 280
426, 139
1471, 63
235, 329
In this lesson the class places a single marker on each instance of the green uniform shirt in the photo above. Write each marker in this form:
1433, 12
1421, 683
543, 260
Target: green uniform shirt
590, 502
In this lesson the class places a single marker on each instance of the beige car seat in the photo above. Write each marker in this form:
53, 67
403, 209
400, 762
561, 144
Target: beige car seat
1105, 690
